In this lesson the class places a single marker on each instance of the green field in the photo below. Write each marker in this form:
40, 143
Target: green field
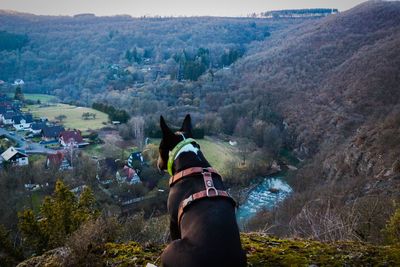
35, 97
99, 151
217, 152
74, 116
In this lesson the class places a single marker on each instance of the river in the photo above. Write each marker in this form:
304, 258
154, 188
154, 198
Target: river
266, 195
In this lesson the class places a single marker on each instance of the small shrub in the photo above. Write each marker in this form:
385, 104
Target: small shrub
155, 230
87, 242
392, 229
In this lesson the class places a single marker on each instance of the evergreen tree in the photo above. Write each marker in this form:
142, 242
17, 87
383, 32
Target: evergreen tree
18, 94
60, 215
393, 228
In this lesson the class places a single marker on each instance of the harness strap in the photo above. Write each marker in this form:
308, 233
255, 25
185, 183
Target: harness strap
210, 192
200, 195
194, 170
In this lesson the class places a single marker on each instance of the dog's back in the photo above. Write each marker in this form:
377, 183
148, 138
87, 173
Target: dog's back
202, 214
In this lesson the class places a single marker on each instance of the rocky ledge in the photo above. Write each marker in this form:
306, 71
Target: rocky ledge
262, 250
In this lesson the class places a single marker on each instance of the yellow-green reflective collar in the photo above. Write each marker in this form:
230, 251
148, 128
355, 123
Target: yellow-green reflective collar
175, 151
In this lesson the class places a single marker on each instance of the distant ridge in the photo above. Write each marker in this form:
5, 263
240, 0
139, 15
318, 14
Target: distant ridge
299, 13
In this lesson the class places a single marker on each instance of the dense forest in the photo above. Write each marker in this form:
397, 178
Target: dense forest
68, 55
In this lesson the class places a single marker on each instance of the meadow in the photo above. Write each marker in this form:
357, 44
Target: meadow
73, 115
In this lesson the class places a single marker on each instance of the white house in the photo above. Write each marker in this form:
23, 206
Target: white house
19, 82
7, 118
16, 157
22, 122
37, 127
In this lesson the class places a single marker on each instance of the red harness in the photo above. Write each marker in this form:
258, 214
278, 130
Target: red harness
209, 192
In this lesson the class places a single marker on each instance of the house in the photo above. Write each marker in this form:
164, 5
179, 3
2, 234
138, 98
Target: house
127, 175
37, 127
15, 157
58, 161
68, 138
8, 118
52, 132
22, 122
5, 109
135, 160
19, 82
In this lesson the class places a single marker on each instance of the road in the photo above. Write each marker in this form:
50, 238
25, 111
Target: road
29, 146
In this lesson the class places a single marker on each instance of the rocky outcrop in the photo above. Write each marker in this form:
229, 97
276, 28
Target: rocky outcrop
262, 250
52, 258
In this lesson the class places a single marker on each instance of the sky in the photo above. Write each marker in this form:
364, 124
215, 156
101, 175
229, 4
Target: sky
137, 8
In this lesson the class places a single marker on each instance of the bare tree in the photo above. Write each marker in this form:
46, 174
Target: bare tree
319, 220
246, 147
137, 126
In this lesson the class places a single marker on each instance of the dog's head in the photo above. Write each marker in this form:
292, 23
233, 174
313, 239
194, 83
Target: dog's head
171, 139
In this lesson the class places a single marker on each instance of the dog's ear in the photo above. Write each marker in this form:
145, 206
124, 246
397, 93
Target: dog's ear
187, 125
166, 131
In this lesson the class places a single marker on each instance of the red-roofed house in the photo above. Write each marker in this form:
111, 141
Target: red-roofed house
58, 161
68, 138
127, 175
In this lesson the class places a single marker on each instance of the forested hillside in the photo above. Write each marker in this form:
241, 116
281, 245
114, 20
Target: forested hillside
335, 85
67, 56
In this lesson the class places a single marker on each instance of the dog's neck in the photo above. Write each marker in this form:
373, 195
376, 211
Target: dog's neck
189, 156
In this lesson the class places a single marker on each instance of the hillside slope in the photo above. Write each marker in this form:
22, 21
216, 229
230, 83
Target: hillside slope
332, 86
335, 82
99, 53
261, 251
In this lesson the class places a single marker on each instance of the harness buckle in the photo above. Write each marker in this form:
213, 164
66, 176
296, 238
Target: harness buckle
211, 189
208, 183
187, 201
206, 170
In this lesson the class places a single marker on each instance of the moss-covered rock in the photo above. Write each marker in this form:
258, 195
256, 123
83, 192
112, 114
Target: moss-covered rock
269, 251
262, 250
52, 258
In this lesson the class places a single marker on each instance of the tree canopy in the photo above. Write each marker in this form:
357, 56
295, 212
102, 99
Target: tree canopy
60, 215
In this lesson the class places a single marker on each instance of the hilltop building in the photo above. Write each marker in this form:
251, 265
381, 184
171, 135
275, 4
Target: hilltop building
19, 82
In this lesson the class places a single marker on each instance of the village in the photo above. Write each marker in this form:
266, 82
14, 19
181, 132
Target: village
26, 139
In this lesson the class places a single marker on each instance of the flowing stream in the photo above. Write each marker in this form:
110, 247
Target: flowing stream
265, 195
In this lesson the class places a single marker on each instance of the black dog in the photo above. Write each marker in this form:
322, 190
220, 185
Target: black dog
203, 223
